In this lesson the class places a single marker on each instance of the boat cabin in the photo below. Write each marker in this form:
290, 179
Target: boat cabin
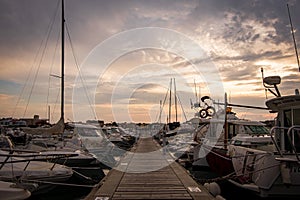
287, 129
244, 132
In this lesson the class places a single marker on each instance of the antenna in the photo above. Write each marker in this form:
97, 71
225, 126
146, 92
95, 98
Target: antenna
199, 96
262, 76
292, 30
271, 82
195, 91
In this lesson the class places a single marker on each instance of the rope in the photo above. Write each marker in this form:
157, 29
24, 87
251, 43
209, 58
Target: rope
28, 76
40, 61
56, 101
232, 175
80, 75
221, 178
181, 107
63, 184
85, 177
159, 119
27, 79
50, 72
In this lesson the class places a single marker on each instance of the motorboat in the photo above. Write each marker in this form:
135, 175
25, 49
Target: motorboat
119, 137
235, 131
28, 168
80, 139
94, 141
273, 172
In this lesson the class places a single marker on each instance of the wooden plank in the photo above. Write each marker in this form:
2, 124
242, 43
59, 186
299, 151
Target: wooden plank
151, 196
132, 189
157, 185
170, 181
190, 184
113, 179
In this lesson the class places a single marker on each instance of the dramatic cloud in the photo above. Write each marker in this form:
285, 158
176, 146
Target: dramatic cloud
238, 37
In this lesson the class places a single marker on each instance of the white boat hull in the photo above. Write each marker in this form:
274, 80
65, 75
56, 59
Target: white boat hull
9, 191
262, 173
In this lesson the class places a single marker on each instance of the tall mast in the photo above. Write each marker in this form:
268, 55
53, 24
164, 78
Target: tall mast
175, 95
292, 30
170, 101
62, 59
226, 123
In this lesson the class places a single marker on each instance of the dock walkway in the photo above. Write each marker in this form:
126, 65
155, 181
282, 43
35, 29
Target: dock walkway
147, 173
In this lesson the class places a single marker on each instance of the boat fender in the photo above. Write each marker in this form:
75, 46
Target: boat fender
31, 187
219, 197
213, 188
285, 174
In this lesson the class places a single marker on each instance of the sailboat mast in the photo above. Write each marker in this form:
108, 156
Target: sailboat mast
170, 101
225, 123
175, 96
62, 59
292, 30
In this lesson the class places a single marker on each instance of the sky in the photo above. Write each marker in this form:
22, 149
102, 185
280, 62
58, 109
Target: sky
121, 55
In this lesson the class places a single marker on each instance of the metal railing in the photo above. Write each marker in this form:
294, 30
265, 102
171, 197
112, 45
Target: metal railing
290, 139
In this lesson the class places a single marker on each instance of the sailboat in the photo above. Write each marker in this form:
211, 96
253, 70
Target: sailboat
85, 166
58, 128
26, 168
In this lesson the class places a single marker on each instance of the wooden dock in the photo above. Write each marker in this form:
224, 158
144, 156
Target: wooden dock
148, 173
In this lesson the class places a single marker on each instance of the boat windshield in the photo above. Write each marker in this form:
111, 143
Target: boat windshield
256, 130
88, 132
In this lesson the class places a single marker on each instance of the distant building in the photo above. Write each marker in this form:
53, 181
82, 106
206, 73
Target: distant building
35, 121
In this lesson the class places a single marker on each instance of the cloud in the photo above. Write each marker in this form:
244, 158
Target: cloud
239, 37
9, 87
5, 97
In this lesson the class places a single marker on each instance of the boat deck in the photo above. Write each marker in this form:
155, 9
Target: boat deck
148, 173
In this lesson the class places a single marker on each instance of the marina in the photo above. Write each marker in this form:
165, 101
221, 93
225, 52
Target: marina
124, 133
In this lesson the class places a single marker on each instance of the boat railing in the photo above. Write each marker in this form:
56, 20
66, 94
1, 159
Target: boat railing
288, 131
32, 157
272, 131
291, 138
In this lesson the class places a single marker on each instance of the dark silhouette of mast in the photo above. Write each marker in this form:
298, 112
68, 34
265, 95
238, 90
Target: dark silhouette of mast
170, 101
292, 30
175, 96
62, 59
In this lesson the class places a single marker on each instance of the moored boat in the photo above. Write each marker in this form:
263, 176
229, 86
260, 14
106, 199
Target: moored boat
273, 172
28, 169
235, 131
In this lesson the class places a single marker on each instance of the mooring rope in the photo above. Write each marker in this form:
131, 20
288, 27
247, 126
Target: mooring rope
63, 184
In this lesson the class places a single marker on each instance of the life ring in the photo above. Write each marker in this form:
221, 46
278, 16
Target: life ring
210, 111
203, 113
